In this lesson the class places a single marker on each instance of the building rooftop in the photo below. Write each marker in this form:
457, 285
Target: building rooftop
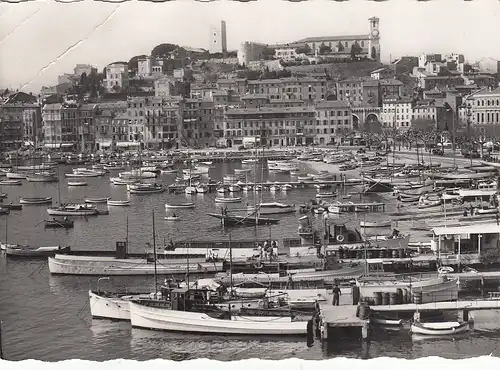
267, 110
492, 228
334, 38
487, 92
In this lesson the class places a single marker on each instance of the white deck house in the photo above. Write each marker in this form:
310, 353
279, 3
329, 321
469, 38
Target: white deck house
465, 244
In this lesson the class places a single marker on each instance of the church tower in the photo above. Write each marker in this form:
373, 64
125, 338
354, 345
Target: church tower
374, 39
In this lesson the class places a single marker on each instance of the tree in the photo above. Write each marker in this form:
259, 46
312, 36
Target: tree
373, 53
163, 50
133, 62
325, 49
306, 49
355, 50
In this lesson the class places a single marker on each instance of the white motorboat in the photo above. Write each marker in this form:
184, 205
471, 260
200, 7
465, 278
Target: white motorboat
35, 200
190, 190
96, 200
16, 175
142, 316
172, 218
137, 174
202, 189
73, 210
439, 328
109, 307
77, 183
179, 205
228, 200
234, 188
111, 266
118, 203
11, 182
122, 181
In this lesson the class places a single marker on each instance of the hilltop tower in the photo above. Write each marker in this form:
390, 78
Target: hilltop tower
374, 39
218, 39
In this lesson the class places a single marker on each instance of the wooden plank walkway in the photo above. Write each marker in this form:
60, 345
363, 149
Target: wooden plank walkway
340, 316
484, 304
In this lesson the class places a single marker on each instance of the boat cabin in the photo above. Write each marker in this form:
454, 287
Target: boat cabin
466, 244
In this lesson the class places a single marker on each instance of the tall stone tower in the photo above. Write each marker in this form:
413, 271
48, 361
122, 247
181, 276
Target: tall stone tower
374, 42
218, 40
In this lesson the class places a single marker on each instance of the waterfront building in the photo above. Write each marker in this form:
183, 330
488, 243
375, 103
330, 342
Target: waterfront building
270, 126
20, 124
197, 128
484, 108
69, 126
333, 121
432, 111
397, 112
117, 77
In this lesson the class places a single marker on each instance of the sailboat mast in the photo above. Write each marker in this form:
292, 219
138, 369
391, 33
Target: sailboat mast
154, 251
230, 264
187, 269
126, 237
6, 231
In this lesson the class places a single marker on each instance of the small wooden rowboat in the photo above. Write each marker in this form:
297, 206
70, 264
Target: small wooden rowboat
55, 224
228, 200
439, 328
97, 200
118, 203
36, 200
11, 182
77, 183
179, 205
172, 218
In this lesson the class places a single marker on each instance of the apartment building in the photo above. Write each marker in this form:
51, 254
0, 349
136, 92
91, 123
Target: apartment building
270, 126
333, 120
397, 112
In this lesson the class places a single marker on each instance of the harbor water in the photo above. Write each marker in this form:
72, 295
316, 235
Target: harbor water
48, 318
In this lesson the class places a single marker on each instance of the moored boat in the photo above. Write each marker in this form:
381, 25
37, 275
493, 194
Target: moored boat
73, 210
28, 252
439, 328
11, 182
118, 203
146, 188
77, 183
35, 200
179, 205
54, 224
97, 200
375, 223
228, 200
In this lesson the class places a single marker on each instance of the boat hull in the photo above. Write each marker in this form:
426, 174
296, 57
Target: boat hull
193, 322
116, 308
427, 329
94, 266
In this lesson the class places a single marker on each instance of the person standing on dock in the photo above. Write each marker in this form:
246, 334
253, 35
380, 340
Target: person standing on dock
336, 295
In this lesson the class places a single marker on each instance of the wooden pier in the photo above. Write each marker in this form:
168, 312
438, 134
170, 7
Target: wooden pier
462, 307
342, 316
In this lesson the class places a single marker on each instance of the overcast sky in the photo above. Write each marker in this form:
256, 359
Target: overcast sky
41, 40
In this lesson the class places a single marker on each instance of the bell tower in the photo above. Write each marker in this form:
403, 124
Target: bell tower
374, 39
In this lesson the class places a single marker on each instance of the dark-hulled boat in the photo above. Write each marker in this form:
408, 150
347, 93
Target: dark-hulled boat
59, 223
25, 251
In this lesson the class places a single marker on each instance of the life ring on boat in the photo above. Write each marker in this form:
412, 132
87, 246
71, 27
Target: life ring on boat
340, 238
258, 265
261, 303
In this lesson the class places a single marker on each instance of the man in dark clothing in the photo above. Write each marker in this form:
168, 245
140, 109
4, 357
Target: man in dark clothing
336, 295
